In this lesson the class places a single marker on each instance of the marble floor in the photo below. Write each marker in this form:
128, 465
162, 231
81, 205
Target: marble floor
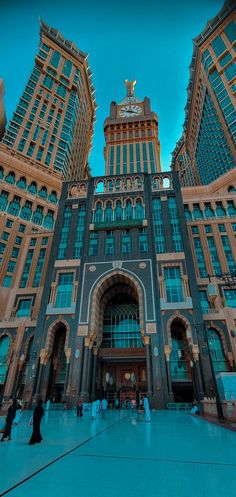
176, 455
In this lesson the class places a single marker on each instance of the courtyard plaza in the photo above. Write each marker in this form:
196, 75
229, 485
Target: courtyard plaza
175, 455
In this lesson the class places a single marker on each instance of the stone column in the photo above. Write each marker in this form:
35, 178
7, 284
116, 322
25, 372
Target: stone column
89, 368
146, 340
67, 354
167, 350
95, 354
197, 372
85, 364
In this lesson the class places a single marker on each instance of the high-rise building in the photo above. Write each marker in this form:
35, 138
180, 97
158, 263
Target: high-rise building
3, 119
131, 134
53, 122
48, 139
120, 313
207, 148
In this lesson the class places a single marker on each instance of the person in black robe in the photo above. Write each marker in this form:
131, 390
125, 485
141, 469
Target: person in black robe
9, 420
36, 436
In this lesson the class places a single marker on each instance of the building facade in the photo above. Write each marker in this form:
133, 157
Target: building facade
47, 140
206, 149
121, 312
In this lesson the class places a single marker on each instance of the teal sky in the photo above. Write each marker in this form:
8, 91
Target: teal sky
148, 40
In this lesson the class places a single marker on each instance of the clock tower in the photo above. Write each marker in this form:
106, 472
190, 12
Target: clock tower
131, 134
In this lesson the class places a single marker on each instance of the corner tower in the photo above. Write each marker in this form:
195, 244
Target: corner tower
131, 134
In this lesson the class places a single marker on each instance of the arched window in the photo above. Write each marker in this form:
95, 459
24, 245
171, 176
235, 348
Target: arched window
187, 213
139, 211
53, 197
220, 211
216, 350
43, 192
231, 208
98, 213
128, 210
166, 182
26, 211
3, 200
197, 213
108, 212
21, 183
10, 178
118, 211
109, 186
118, 184
138, 182
155, 184
14, 206
49, 220
32, 188
38, 215
231, 189
99, 187
1, 172
208, 212
4, 350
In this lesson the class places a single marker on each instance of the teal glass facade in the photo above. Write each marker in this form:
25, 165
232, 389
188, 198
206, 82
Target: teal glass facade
212, 147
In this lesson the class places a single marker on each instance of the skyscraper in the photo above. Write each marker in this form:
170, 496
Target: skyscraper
53, 122
131, 134
207, 147
48, 139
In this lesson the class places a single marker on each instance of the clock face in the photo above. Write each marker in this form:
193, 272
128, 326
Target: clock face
130, 110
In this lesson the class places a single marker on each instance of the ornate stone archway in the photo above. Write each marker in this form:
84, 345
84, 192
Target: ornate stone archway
98, 303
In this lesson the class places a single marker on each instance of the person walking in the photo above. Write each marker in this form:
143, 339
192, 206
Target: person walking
11, 413
94, 410
146, 408
104, 404
36, 436
80, 409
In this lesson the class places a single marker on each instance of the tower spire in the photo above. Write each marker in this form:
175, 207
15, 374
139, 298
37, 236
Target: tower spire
130, 87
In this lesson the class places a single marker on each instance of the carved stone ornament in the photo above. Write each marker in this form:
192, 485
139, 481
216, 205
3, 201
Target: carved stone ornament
92, 268
74, 191
117, 264
142, 265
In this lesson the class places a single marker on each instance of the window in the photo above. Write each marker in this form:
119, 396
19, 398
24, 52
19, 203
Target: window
214, 255
15, 252
67, 68
216, 351
18, 240
45, 240
14, 206
230, 71
2, 248
230, 298
33, 242
11, 267
48, 82
61, 91
64, 290
39, 268
22, 228
55, 58
7, 281
139, 210
194, 230
5, 235
228, 253
93, 243
200, 257
109, 243
230, 31
143, 243
26, 211
126, 242
204, 301
221, 228
208, 228
173, 282
3, 200
24, 306
218, 46
9, 223
98, 213
27, 267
